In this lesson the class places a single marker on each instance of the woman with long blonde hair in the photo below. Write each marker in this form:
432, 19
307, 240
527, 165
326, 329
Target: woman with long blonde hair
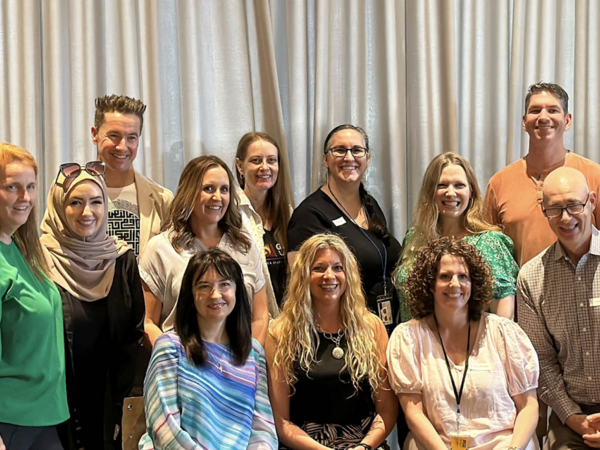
451, 204
326, 353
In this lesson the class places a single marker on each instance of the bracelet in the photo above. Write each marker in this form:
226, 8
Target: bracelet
368, 447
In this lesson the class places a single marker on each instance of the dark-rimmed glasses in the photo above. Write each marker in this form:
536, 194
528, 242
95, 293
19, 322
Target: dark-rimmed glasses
72, 170
572, 210
341, 152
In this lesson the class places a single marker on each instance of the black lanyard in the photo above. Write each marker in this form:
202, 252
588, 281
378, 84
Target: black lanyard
457, 394
383, 259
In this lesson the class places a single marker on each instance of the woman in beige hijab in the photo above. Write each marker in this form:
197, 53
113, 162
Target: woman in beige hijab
102, 297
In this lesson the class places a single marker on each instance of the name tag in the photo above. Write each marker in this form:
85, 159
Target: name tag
384, 305
339, 222
459, 443
595, 301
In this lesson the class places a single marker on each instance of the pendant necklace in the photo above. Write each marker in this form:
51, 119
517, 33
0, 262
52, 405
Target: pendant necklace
337, 352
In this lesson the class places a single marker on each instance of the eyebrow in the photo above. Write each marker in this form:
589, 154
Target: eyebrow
92, 198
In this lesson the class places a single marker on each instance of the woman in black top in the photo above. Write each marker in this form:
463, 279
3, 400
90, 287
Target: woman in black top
343, 206
102, 300
328, 385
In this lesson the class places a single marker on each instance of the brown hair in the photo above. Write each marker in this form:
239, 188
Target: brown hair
190, 184
376, 223
420, 284
120, 104
27, 236
551, 88
279, 199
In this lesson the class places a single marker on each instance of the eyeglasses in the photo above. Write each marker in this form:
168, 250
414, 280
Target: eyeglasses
72, 170
572, 210
340, 152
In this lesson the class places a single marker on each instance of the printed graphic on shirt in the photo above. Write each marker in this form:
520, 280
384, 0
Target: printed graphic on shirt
273, 252
124, 223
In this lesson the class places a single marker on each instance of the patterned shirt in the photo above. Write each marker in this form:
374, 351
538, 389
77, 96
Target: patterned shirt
218, 406
559, 308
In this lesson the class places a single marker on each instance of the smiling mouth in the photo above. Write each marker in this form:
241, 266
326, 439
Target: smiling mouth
263, 177
119, 156
329, 287
21, 208
217, 305
86, 223
214, 207
571, 228
451, 204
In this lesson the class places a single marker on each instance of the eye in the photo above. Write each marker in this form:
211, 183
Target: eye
75, 203
203, 287
272, 161
461, 185
464, 277
225, 189
338, 268
227, 284
132, 139
318, 269
98, 202
445, 276
441, 185
31, 187
208, 188
255, 160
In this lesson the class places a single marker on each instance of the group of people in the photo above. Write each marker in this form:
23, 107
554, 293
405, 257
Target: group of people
308, 328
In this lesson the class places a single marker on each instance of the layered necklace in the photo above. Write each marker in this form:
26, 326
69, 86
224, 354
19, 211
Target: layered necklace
337, 352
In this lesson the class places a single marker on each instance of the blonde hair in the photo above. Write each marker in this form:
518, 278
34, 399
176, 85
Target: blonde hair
27, 236
426, 219
294, 332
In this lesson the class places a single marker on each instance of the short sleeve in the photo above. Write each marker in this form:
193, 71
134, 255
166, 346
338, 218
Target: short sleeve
404, 363
518, 356
306, 221
153, 266
498, 250
257, 267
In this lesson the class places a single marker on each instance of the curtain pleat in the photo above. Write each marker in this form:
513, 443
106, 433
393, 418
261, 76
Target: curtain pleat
421, 76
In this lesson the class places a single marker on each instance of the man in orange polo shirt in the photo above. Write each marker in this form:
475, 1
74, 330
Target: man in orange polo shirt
513, 194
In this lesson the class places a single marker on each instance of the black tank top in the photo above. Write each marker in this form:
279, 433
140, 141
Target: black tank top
326, 393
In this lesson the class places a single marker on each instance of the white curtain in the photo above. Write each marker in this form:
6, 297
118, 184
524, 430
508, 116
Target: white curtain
421, 76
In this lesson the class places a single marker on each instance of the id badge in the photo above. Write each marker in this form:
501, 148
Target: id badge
384, 305
459, 443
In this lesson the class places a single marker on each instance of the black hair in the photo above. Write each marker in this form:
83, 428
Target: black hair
239, 322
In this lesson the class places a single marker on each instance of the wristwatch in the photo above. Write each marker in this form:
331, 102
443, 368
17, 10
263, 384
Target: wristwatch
513, 448
368, 447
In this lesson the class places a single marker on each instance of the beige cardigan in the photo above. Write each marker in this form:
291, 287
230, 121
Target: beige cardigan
154, 202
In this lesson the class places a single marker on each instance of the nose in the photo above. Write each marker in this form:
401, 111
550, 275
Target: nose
215, 293
349, 156
454, 281
264, 165
217, 195
450, 191
544, 114
25, 195
87, 211
121, 143
329, 273
565, 216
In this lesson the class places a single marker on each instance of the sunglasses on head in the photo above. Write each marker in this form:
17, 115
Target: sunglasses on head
72, 170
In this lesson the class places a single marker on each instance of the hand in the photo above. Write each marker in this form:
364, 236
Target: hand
593, 439
2, 446
579, 424
594, 420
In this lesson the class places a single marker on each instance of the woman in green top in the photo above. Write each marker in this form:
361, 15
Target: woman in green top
450, 204
33, 396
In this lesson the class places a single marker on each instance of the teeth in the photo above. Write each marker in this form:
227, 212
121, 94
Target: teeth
329, 287
21, 208
264, 176
450, 203
120, 156
216, 208
86, 222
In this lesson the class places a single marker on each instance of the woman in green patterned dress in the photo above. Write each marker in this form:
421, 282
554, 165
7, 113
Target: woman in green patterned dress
451, 204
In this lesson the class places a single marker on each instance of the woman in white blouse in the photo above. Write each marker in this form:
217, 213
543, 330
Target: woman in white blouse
465, 379
204, 214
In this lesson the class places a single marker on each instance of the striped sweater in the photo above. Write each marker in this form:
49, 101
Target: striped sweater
216, 406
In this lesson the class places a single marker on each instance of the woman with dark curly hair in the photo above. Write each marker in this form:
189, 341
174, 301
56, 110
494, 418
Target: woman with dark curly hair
465, 378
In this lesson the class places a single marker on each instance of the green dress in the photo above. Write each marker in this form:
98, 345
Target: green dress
497, 249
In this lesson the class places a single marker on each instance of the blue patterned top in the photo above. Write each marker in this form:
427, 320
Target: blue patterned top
497, 249
216, 406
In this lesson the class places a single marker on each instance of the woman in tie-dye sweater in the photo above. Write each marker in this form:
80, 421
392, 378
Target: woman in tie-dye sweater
206, 384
